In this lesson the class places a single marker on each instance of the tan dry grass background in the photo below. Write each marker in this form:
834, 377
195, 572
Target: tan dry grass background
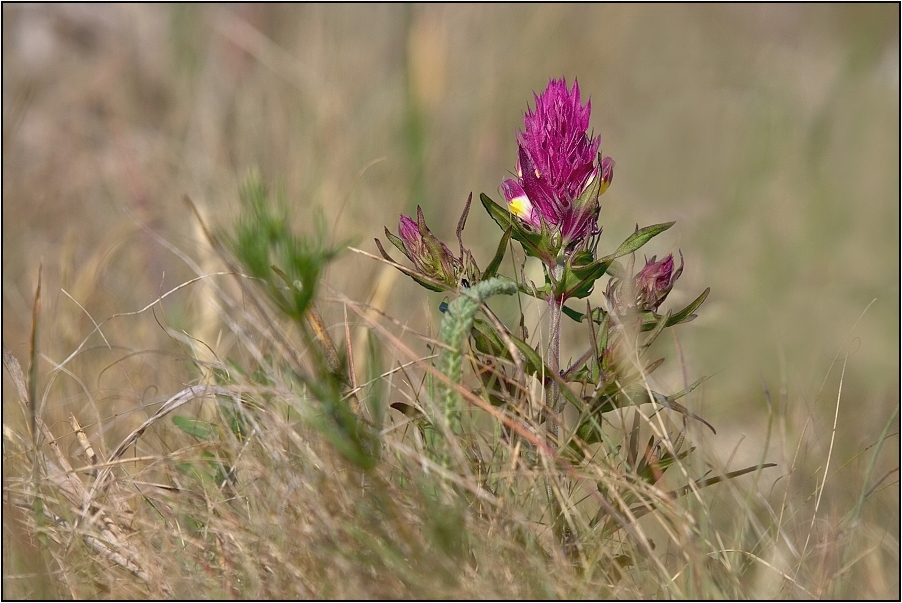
770, 133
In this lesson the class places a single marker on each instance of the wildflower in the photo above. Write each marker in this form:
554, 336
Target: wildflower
560, 174
647, 290
654, 282
430, 256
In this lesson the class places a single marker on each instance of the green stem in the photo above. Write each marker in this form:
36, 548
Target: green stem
554, 361
554, 406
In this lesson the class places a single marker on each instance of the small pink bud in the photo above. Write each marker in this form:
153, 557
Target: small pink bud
430, 256
654, 282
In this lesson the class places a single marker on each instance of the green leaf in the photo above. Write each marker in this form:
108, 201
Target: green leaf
684, 315
588, 430
584, 276
650, 506
535, 244
488, 341
199, 429
397, 242
651, 470
601, 344
534, 363
638, 239
344, 430
656, 331
542, 293
577, 316
579, 277
492, 269
462, 223
598, 314
586, 272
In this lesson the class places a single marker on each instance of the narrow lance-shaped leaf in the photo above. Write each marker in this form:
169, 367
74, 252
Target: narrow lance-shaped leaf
574, 314
644, 509
684, 315
600, 344
462, 223
580, 274
394, 241
638, 239
651, 468
656, 331
492, 268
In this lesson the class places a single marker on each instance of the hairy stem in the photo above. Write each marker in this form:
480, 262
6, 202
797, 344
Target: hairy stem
554, 407
553, 358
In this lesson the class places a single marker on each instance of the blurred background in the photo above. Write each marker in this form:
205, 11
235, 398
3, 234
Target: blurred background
770, 133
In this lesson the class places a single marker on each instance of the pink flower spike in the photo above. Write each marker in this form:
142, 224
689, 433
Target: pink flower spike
558, 165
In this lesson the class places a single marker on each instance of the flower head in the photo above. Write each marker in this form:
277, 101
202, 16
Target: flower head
430, 256
647, 290
559, 172
654, 282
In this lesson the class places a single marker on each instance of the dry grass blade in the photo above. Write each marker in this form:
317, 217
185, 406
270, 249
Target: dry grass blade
32, 400
173, 403
109, 544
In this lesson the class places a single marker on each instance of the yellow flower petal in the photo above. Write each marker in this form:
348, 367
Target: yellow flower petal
521, 207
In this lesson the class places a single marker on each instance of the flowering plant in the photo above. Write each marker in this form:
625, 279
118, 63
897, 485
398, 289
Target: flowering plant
552, 210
